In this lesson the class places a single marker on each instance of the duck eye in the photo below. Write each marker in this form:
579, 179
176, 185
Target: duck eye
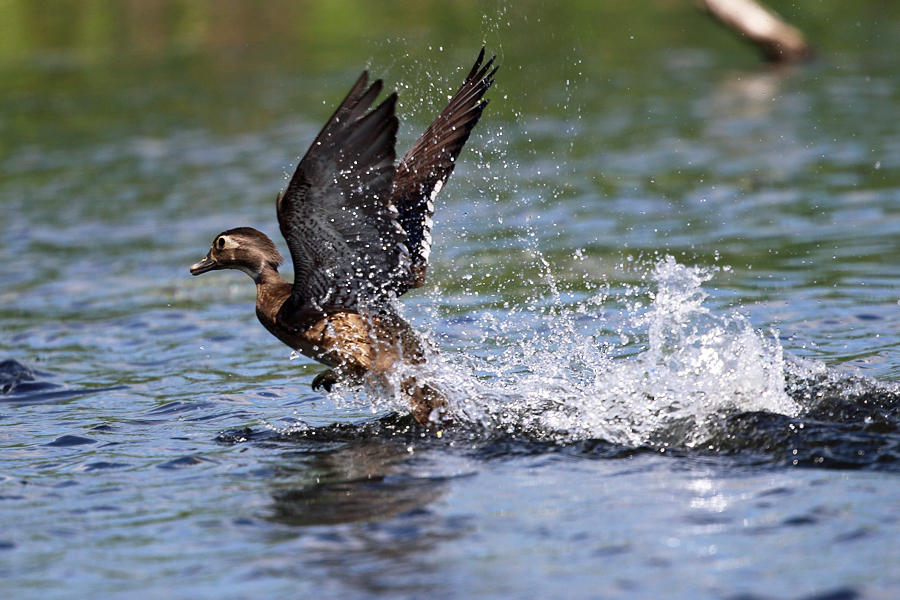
220, 243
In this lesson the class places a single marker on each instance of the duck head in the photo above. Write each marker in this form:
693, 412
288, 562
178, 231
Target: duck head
244, 249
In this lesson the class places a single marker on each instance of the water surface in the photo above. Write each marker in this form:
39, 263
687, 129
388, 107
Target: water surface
664, 291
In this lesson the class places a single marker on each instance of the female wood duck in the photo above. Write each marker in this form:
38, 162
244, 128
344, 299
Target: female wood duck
359, 231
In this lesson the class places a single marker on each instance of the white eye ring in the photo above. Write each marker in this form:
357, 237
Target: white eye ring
226, 242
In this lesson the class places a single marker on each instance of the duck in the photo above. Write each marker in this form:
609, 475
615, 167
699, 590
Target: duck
357, 223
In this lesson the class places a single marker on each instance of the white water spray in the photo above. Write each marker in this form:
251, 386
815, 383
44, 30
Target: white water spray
557, 383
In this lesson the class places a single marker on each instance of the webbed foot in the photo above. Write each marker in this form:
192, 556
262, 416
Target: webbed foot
326, 379
427, 404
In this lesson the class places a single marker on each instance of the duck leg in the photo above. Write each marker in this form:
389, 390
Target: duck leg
329, 377
428, 405
326, 379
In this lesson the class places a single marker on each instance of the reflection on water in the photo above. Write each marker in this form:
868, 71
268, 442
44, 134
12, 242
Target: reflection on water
750, 95
359, 481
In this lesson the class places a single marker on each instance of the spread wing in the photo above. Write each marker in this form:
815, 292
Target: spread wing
427, 166
336, 215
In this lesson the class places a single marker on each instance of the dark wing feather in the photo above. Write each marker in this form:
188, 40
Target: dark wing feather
427, 166
336, 214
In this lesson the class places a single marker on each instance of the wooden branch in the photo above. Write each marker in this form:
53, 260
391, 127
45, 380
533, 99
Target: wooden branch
779, 42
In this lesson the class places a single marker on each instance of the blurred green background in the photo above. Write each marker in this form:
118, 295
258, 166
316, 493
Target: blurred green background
61, 61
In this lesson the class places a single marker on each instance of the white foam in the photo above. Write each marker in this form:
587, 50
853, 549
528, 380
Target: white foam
694, 367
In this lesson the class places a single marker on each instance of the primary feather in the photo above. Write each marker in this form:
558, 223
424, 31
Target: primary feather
359, 228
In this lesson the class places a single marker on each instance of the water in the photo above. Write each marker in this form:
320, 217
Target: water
664, 296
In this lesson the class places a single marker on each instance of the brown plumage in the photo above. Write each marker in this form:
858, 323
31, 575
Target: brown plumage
359, 232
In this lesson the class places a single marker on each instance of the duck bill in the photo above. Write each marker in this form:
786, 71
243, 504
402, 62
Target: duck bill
207, 264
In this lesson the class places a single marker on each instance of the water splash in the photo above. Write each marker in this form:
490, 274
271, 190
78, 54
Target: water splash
671, 373
695, 367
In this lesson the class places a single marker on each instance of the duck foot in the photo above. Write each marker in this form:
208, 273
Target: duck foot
427, 405
326, 379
